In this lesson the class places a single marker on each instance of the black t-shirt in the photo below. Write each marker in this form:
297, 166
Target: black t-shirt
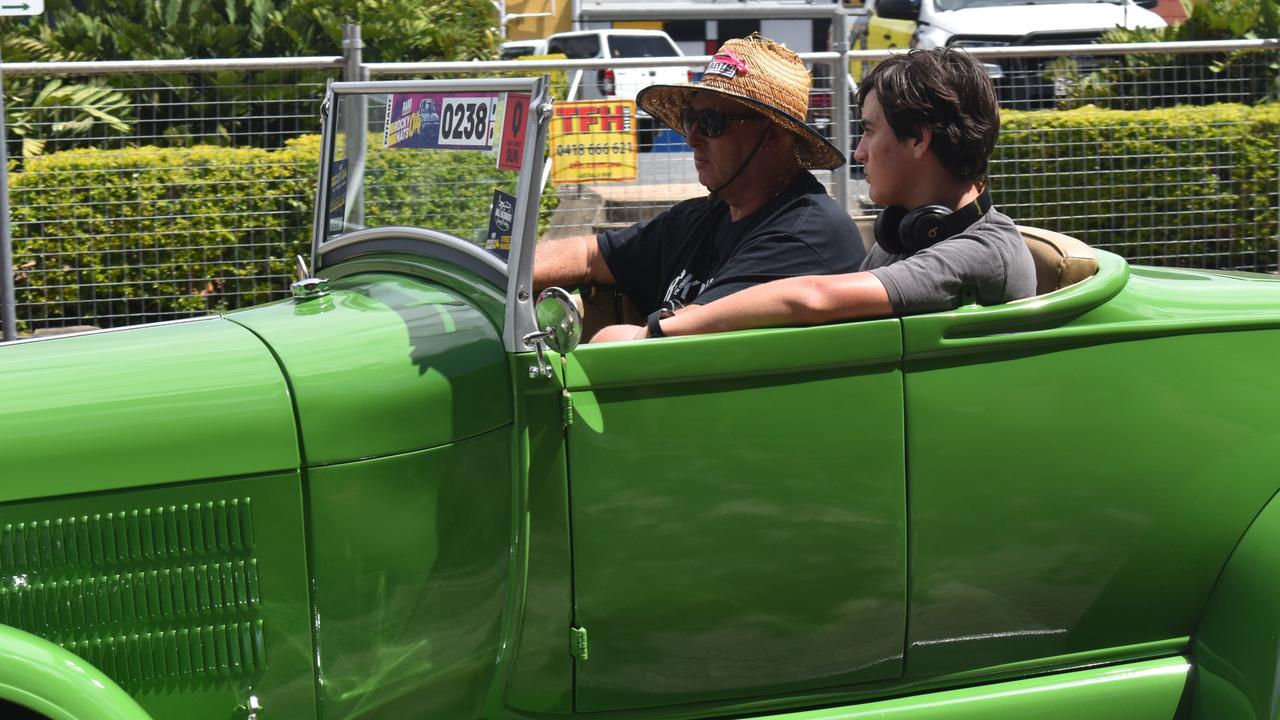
694, 254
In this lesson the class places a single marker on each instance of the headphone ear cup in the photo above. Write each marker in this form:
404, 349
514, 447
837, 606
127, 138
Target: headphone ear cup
886, 229
923, 227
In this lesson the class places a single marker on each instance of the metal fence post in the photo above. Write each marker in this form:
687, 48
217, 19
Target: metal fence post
354, 121
840, 105
8, 312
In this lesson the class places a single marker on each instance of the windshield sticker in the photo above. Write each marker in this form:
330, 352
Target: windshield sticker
511, 148
593, 141
449, 121
502, 216
337, 195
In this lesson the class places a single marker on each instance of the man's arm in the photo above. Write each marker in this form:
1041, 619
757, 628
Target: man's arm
808, 300
568, 262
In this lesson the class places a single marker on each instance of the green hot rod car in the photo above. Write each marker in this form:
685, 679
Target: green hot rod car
407, 492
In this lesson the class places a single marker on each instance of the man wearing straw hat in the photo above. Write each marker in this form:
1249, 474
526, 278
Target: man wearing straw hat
930, 123
766, 216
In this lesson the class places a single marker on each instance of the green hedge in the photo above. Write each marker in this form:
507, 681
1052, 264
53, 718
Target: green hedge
1191, 186
109, 237
112, 237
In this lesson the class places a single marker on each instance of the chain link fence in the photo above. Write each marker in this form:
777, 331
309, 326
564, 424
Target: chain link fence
182, 198
197, 196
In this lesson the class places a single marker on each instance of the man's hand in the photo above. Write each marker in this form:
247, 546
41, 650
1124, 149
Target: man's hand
619, 333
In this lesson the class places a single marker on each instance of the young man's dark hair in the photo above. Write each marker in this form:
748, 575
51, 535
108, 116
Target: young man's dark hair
946, 91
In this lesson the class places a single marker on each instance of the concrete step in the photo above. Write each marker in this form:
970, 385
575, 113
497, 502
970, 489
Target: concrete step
593, 208
579, 210
637, 203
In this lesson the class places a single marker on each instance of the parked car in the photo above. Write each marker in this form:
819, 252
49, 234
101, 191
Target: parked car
408, 491
998, 23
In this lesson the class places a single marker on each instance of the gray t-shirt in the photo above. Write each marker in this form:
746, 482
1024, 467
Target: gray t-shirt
989, 256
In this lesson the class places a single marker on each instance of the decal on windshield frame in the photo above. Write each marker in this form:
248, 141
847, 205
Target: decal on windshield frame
502, 215
448, 121
337, 195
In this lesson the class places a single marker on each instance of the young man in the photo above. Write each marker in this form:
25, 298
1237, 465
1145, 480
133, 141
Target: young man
930, 123
766, 218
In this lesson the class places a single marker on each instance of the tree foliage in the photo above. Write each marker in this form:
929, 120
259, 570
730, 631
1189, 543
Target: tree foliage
39, 109
1164, 79
393, 30
259, 109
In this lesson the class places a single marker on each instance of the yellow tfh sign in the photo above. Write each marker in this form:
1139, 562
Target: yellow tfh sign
593, 141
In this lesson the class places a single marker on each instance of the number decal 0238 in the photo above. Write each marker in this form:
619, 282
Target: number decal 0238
465, 121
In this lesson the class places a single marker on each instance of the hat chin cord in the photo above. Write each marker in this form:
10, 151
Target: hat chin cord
715, 192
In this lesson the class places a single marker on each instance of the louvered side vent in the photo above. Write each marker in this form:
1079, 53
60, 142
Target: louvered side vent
145, 595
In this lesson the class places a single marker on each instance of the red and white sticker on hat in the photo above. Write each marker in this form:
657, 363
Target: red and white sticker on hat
726, 64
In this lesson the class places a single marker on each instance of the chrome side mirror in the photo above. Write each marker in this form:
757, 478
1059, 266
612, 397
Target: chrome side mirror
560, 327
557, 315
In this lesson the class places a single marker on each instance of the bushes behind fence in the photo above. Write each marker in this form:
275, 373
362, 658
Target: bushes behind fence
121, 236
1192, 186
110, 237
114, 237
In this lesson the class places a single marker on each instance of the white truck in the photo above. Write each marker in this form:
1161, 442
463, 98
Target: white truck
619, 83
995, 23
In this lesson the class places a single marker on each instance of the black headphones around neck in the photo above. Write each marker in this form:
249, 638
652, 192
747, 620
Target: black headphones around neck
905, 232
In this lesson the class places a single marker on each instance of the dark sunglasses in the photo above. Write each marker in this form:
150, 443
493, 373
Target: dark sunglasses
711, 123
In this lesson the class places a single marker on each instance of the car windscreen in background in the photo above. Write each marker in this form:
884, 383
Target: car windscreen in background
576, 48
631, 46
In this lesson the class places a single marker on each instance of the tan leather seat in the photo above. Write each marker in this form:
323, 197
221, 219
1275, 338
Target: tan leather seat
1061, 260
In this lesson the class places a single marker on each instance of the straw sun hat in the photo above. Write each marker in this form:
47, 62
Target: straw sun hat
761, 74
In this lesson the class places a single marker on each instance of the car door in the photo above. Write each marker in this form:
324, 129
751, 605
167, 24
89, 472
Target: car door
738, 514
1077, 475
580, 46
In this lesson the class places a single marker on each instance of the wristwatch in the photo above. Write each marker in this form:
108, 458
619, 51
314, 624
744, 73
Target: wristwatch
655, 322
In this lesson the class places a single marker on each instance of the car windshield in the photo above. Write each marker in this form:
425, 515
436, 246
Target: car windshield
443, 161
639, 46
511, 52
962, 4
576, 47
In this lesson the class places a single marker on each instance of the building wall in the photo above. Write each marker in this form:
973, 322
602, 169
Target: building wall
557, 16
1171, 11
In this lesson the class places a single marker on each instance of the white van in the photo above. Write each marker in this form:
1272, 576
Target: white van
995, 23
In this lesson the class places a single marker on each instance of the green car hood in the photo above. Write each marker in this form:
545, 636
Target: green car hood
386, 364
161, 403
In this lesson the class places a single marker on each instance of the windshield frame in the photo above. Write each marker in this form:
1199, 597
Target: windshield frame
519, 319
